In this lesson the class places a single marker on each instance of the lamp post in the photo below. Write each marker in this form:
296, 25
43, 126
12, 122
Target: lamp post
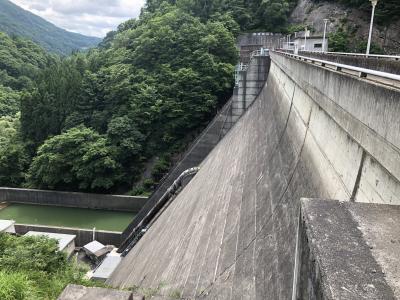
305, 39
373, 2
324, 41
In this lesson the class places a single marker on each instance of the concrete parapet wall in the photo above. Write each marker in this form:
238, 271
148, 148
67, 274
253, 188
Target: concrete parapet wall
354, 126
83, 236
70, 199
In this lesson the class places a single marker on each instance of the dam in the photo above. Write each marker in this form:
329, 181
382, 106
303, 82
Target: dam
314, 131
299, 199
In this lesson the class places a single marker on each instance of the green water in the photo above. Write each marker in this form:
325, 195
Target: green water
67, 217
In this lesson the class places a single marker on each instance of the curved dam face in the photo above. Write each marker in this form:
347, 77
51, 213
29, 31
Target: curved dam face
231, 233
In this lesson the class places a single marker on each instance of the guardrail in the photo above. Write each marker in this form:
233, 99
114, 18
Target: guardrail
379, 56
376, 76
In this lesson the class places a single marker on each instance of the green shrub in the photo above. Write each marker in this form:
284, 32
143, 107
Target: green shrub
33, 268
16, 286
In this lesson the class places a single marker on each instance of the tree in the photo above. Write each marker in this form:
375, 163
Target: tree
44, 111
13, 157
79, 159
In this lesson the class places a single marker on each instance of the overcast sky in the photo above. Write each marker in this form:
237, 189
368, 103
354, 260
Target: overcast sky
89, 17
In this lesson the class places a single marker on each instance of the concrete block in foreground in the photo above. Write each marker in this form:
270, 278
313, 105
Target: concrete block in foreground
348, 250
79, 292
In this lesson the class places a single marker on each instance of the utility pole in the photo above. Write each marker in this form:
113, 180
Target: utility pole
373, 2
324, 40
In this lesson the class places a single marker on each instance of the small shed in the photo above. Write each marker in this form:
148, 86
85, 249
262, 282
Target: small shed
311, 43
7, 226
66, 242
96, 250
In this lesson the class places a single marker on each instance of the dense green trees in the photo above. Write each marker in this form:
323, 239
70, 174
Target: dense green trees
33, 268
268, 15
44, 111
13, 158
92, 120
76, 159
20, 62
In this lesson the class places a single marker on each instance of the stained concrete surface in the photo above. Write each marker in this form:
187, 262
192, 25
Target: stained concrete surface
340, 258
232, 232
78, 292
251, 81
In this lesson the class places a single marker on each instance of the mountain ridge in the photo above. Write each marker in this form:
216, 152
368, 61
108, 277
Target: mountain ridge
14, 20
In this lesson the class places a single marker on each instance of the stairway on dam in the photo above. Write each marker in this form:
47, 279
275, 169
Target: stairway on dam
239, 229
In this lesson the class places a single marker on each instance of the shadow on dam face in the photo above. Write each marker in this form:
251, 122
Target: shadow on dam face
231, 233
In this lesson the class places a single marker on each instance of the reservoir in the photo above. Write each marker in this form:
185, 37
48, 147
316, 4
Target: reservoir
67, 217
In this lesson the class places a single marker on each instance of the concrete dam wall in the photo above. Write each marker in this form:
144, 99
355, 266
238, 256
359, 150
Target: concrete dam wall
231, 233
250, 81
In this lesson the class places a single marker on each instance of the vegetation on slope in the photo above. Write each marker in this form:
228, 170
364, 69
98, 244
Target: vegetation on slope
19, 22
249, 14
33, 268
90, 121
21, 62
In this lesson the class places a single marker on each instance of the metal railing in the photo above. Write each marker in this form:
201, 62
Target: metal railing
377, 76
381, 56
242, 67
152, 213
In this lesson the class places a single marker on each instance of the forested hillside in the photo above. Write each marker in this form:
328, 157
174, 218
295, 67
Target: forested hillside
16, 21
94, 121
21, 62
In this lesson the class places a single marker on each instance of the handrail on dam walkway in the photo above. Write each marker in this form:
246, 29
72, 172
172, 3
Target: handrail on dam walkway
379, 56
377, 76
151, 214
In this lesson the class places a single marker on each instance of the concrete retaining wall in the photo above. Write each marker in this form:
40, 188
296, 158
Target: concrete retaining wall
83, 236
69, 199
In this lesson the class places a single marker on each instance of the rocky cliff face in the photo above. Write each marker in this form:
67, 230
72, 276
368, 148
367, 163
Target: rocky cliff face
353, 20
